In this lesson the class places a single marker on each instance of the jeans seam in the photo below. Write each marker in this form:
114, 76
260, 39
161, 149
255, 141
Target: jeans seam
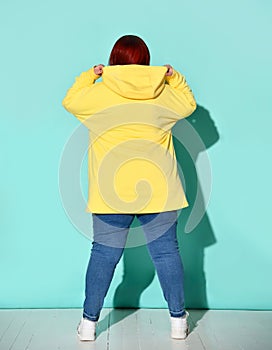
179, 313
92, 318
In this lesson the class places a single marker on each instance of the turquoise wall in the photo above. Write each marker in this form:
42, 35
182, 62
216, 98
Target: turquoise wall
224, 50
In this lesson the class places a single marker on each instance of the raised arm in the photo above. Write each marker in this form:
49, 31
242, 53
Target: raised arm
182, 90
74, 99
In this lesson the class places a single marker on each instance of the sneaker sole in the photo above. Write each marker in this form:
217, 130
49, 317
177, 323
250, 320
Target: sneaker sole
81, 338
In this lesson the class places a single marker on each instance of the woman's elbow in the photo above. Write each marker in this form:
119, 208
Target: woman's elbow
193, 106
66, 104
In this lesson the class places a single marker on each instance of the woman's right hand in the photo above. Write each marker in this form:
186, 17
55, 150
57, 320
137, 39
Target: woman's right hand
98, 70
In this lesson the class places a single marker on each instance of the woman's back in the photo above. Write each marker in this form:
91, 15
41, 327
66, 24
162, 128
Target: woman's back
132, 163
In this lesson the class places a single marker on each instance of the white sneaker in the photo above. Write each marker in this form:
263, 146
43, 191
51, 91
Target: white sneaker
179, 327
86, 330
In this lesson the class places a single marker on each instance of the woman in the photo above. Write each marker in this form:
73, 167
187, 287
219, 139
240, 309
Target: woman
132, 170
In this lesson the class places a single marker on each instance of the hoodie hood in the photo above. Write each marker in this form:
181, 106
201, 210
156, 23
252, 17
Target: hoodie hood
135, 81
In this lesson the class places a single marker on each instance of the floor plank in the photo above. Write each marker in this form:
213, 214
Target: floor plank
14, 327
233, 329
123, 329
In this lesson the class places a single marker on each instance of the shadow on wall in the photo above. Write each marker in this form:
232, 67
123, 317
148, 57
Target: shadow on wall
192, 244
138, 267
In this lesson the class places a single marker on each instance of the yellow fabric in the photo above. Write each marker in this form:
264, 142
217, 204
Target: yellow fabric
132, 165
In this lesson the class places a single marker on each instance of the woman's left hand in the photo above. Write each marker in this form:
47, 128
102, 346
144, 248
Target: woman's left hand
169, 70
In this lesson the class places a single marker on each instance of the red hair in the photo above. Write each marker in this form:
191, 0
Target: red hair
129, 49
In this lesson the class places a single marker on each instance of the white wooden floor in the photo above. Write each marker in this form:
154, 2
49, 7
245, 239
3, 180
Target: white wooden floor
142, 329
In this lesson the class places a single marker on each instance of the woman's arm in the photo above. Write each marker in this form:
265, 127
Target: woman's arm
82, 84
178, 82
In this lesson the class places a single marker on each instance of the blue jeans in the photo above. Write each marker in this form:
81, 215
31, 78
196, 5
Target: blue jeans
110, 234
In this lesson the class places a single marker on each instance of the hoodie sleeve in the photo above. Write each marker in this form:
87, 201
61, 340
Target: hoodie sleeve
72, 102
181, 89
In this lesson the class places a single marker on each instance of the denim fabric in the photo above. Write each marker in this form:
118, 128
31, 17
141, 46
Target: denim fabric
110, 234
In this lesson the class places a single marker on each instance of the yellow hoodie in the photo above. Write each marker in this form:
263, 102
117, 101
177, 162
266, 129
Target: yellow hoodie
132, 165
